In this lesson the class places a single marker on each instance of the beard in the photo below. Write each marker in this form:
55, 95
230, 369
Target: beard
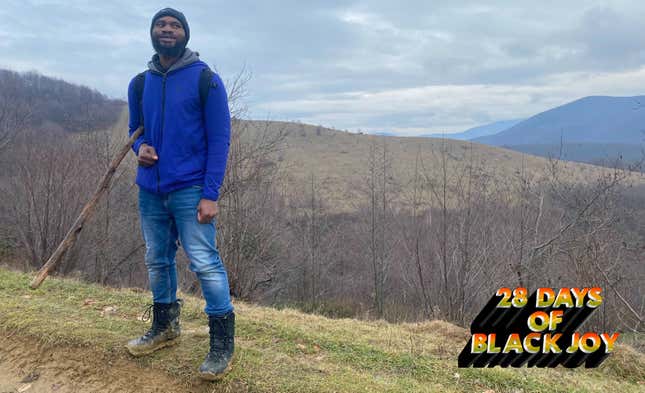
169, 51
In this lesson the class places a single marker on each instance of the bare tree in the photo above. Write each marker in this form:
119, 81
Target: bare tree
45, 190
412, 242
249, 200
379, 183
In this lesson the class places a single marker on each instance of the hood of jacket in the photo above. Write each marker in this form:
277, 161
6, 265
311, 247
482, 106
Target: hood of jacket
188, 57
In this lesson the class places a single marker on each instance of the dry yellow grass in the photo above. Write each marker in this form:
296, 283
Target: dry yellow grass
338, 161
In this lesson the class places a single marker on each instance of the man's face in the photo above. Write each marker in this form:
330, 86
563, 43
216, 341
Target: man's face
168, 36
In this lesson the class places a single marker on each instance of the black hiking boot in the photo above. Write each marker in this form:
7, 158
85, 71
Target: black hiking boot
164, 332
222, 345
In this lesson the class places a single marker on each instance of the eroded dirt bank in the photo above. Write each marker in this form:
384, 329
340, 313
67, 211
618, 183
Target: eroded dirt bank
30, 367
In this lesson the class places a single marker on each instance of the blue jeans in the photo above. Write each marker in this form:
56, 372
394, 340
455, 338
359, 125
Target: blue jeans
164, 219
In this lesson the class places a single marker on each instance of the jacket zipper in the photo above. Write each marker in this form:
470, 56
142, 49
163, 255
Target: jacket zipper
163, 110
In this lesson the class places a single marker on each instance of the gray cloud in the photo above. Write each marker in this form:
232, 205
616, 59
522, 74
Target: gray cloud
410, 67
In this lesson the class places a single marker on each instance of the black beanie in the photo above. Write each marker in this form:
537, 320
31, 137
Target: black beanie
175, 14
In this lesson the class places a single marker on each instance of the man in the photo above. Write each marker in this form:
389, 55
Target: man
182, 160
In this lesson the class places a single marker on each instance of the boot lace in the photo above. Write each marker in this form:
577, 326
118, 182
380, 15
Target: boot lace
147, 313
156, 327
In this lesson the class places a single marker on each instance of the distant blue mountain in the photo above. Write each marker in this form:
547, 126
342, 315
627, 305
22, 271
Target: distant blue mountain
471, 133
596, 119
606, 154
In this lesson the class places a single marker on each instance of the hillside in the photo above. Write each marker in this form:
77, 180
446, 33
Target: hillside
338, 161
68, 336
51, 104
595, 119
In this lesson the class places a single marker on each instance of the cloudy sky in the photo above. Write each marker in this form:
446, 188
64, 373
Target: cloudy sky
407, 67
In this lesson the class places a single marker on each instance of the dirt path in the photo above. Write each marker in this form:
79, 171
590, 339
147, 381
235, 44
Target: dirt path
11, 381
27, 367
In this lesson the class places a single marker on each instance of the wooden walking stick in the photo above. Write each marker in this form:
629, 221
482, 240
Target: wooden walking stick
71, 236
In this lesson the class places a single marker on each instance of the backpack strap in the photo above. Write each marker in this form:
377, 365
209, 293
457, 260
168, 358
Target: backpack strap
139, 83
205, 83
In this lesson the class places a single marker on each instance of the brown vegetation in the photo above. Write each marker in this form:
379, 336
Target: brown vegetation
351, 225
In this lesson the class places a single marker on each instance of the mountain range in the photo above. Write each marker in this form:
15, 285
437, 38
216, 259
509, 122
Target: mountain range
595, 119
471, 133
594, 129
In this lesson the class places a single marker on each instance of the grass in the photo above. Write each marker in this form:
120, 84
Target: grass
286, 350
338, 162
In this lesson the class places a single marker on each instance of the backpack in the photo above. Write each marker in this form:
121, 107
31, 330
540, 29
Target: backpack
205, 83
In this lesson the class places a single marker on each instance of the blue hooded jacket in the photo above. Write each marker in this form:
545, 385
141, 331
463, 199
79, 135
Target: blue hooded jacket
192, 143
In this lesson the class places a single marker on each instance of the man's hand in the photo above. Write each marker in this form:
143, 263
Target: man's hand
147, 155
206, 211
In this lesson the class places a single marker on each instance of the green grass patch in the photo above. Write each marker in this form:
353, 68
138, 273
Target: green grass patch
286, 350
